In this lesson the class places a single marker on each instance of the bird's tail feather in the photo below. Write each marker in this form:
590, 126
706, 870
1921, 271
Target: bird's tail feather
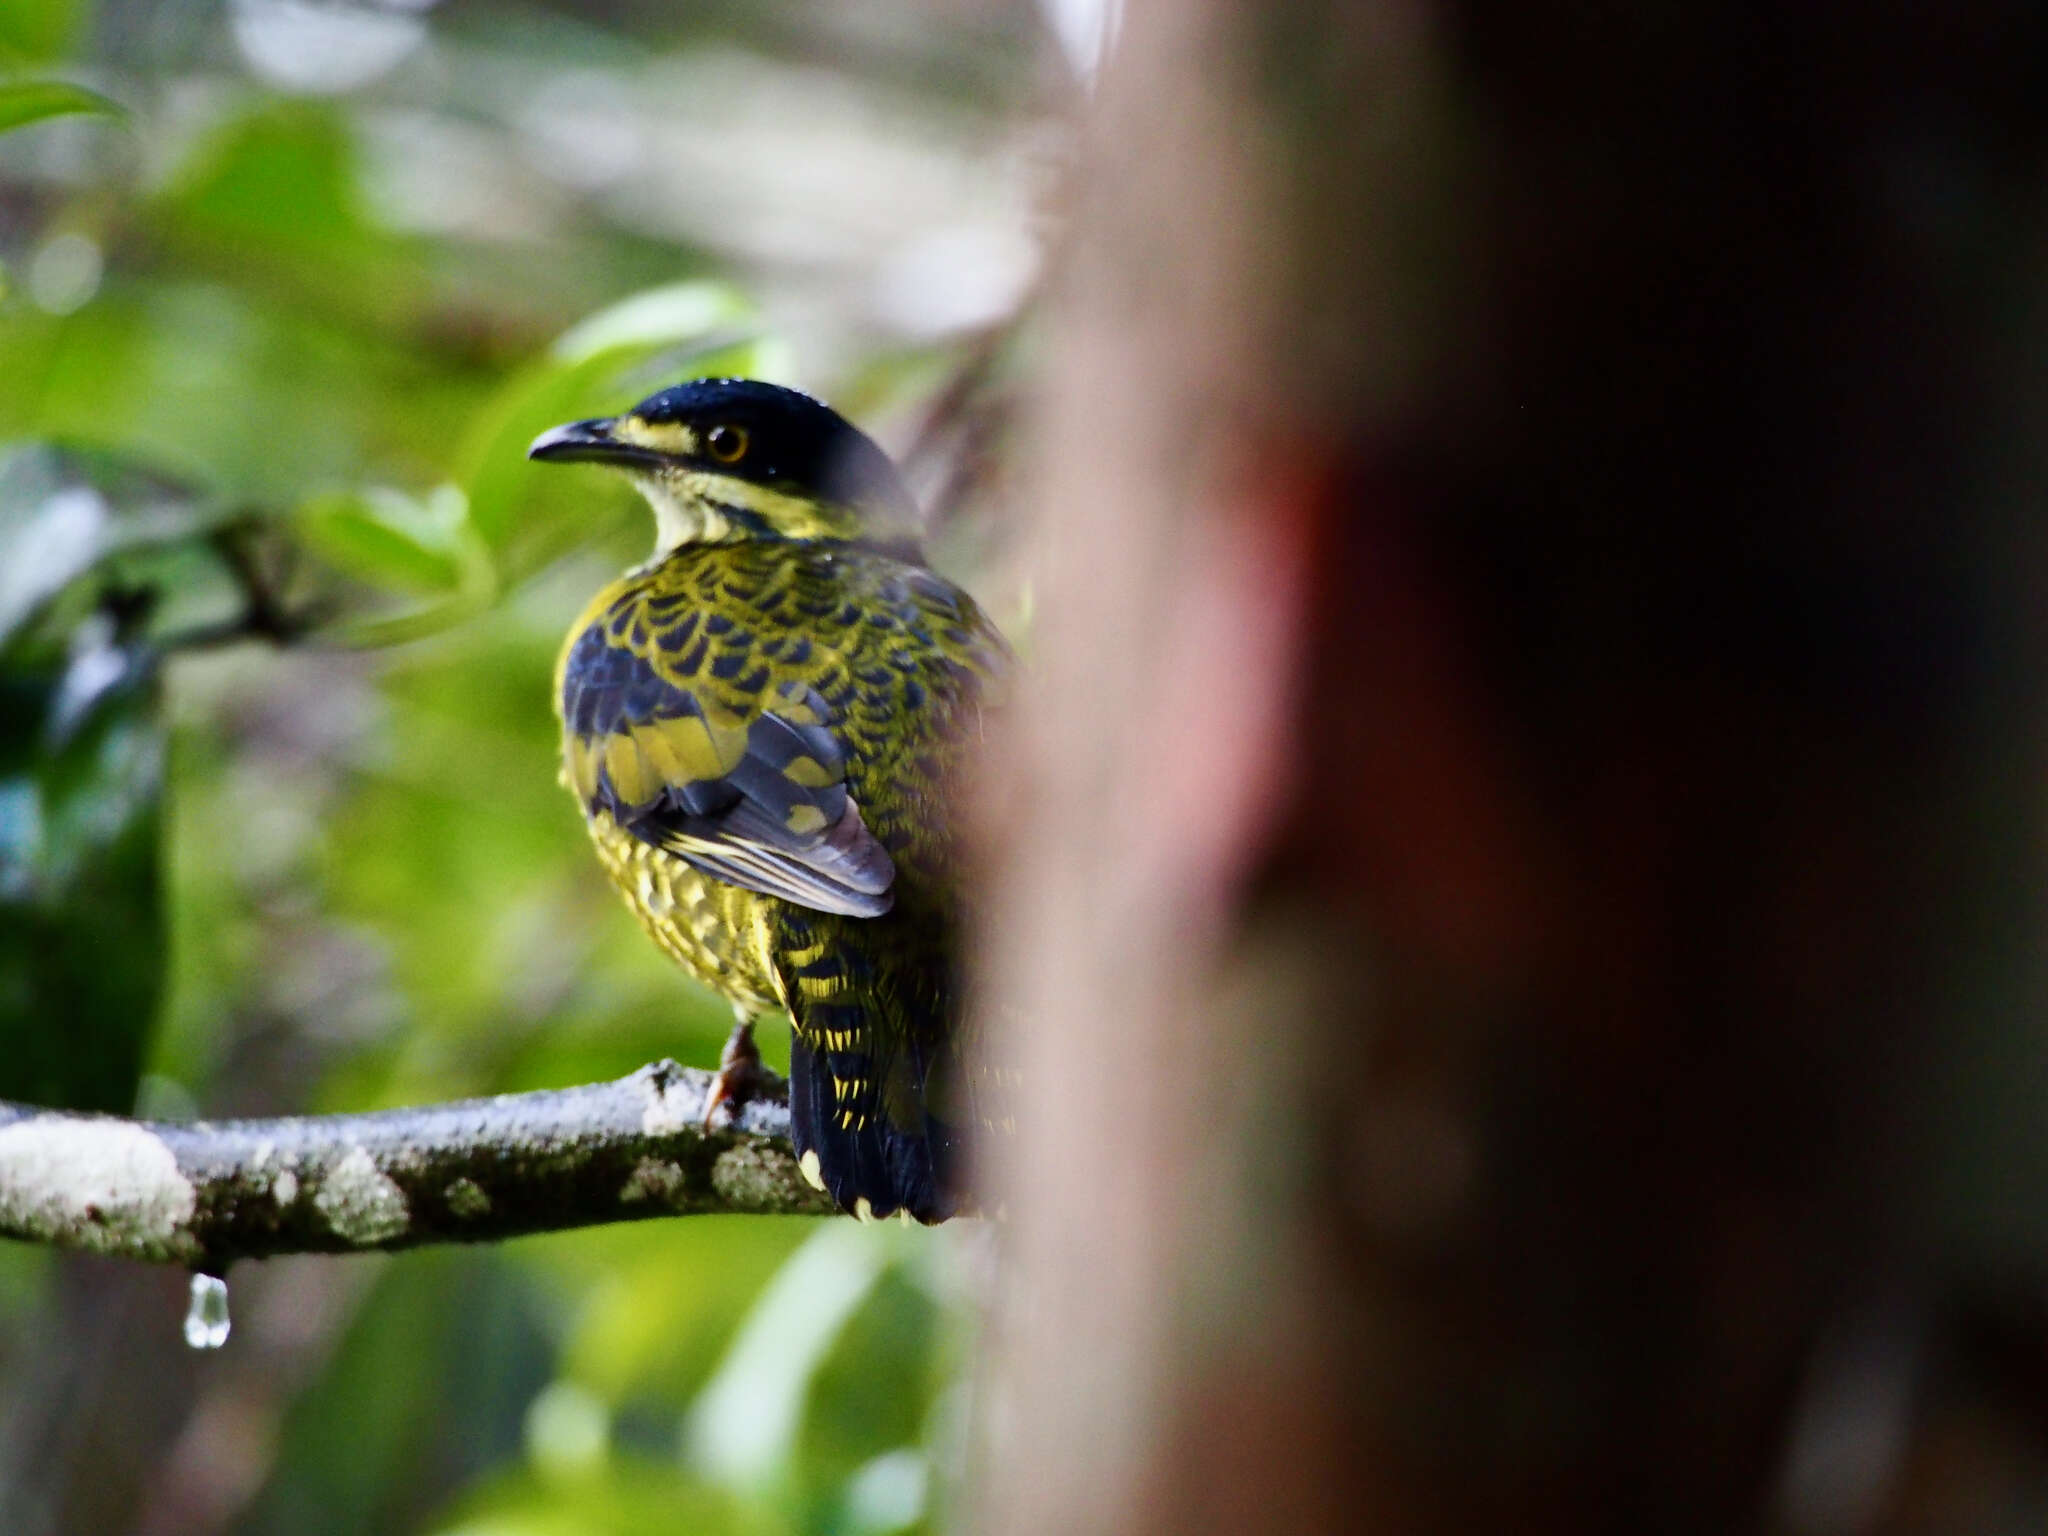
860, 1122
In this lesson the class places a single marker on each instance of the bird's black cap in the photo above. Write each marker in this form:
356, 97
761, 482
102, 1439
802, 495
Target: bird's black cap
796, 443
797, 440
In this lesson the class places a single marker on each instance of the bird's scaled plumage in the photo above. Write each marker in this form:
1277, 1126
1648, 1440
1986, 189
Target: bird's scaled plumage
762, 724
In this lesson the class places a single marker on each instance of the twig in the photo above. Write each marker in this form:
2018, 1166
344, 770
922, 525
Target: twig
208, 1192
960, 429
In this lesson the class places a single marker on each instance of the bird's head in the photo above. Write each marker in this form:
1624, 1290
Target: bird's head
725, 460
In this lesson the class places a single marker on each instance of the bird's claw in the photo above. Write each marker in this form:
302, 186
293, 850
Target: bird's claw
738, 1078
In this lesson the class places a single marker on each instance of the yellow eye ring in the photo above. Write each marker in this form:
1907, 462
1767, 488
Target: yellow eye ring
726, 443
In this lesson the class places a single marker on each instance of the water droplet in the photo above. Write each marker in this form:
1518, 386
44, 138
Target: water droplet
206, 1320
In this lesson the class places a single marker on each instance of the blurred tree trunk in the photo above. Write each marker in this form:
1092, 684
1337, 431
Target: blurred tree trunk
1524, 877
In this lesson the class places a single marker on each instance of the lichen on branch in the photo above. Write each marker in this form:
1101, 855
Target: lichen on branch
205, 1193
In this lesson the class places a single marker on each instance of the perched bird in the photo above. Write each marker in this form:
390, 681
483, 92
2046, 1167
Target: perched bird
760, 723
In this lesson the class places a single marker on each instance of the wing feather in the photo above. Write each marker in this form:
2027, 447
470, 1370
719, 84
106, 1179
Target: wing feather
754, 796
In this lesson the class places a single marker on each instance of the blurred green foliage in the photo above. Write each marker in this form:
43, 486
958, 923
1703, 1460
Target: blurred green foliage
279, 825
81, 781
31, 101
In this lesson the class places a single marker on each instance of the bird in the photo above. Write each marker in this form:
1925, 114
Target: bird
765, 724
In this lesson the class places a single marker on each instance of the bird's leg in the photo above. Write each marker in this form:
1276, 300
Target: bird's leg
739, 1074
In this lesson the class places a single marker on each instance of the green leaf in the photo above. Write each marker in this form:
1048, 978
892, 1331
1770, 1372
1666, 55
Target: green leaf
82, 946
607, 361
273, 199
743, 1427
660, 1311
33, 100
37, 31
393, 540
285, 173
397, 543
659, 317
63, 512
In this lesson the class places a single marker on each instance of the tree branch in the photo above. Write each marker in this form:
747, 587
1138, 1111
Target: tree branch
209, 1192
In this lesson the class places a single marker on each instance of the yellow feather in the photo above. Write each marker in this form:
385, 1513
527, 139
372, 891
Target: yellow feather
807, 771
582, 770
727, 730
630, 780
661, 436
657, 744
695, 750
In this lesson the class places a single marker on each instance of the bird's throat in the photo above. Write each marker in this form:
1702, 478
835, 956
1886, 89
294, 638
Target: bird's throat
684, 514
723, 509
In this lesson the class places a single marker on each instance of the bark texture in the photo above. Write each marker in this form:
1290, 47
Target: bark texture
1526, 872
207, 1193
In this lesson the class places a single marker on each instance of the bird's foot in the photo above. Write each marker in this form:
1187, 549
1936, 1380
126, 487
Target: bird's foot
740, 1077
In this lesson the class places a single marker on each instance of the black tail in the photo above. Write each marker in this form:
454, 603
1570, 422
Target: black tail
880, 1147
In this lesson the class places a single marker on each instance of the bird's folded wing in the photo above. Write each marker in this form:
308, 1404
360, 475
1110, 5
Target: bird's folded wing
750, 789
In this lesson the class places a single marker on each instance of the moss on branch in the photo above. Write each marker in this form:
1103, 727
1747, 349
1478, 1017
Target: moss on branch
206, 1193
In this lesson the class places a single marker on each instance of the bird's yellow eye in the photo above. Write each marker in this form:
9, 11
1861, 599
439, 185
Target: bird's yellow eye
727, 444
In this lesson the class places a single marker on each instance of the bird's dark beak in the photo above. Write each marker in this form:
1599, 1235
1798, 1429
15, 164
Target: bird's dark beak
592, 441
